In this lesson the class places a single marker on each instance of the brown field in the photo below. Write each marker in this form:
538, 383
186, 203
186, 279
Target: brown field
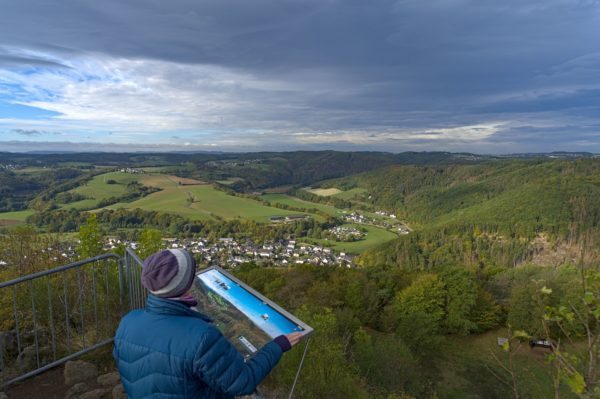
9, 222
277, 190
185, 181
325, 192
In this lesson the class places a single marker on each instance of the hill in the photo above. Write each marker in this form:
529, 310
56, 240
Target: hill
497, 206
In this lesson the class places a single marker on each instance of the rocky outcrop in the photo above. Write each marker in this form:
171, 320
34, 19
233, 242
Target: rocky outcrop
109, 380
77, 390
118, 392
79, 371
87, 384
100, 393
8, 342
28, 360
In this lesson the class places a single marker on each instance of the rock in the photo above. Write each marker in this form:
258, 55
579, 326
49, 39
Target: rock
27, 359
43, 335
4, 396
76, 390
118, 392
8, 342
79, 371
100, 393
109, 380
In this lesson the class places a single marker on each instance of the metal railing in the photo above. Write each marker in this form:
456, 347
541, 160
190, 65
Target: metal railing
133, 274
53, 316
59, 314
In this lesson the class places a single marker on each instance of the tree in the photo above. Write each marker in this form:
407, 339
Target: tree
150, 242
578, 368
90, 238
327, 373
462, 295
419, 313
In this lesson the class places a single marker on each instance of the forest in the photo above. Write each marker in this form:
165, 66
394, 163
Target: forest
498, 249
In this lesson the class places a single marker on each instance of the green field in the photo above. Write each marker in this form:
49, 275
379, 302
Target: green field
230, 181
97, 189
298, 203
374, 237
467, 361
207, 202
31, 170
12, 218
349, 194
325, 192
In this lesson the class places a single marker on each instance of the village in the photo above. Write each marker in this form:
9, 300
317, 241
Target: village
356, 217
226, 252
8, 166
230, 253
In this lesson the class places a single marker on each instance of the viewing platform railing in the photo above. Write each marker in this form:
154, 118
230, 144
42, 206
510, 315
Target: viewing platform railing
53, 316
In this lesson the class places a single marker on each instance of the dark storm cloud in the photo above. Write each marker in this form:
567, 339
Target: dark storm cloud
369, 64
26, 132
11, 60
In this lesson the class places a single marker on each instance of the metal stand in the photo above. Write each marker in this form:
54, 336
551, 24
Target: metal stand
299, 368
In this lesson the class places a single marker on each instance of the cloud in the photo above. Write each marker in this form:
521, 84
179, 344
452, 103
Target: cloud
339, 73
30, 132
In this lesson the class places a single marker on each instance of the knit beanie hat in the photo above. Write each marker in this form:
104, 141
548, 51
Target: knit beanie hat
169, 273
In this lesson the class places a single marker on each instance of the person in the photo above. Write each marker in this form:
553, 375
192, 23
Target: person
170, 350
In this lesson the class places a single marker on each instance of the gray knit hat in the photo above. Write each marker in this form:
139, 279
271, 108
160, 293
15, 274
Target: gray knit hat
169, 273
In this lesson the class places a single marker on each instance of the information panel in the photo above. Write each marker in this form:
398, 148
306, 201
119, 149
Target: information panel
243, 315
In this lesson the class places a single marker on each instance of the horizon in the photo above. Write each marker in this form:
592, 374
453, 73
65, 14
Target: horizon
390, 76
225, 152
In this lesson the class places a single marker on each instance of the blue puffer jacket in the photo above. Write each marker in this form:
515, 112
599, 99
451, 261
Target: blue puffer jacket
171, 351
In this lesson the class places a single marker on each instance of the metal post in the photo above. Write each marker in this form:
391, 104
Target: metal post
16, 320
120, 266
106, 299
94, 296
81, 306
51, 317
299, 369
34, 321
64, 274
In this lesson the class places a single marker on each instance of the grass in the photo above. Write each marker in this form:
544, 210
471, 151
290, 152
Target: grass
298, 203
349, 194
98, 189
325, 192
12, 218
374, 237
208, 202
230, 180
31, 170
466, 363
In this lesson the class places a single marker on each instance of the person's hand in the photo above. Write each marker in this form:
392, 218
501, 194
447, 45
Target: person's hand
294, 338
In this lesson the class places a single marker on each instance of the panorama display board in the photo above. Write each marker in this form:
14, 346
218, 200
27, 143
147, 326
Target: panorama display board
243, 315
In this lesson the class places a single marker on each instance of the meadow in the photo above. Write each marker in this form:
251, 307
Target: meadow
467, 364
13, 218
325, 192
298, 203
374, 237
98, 189
198, 201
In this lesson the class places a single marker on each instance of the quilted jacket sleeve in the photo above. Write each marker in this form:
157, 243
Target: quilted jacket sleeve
221, 366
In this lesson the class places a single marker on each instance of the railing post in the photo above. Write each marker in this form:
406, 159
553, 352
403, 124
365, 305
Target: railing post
129, 279
121, 293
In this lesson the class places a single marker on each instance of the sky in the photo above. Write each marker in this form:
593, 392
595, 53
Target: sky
480, 76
